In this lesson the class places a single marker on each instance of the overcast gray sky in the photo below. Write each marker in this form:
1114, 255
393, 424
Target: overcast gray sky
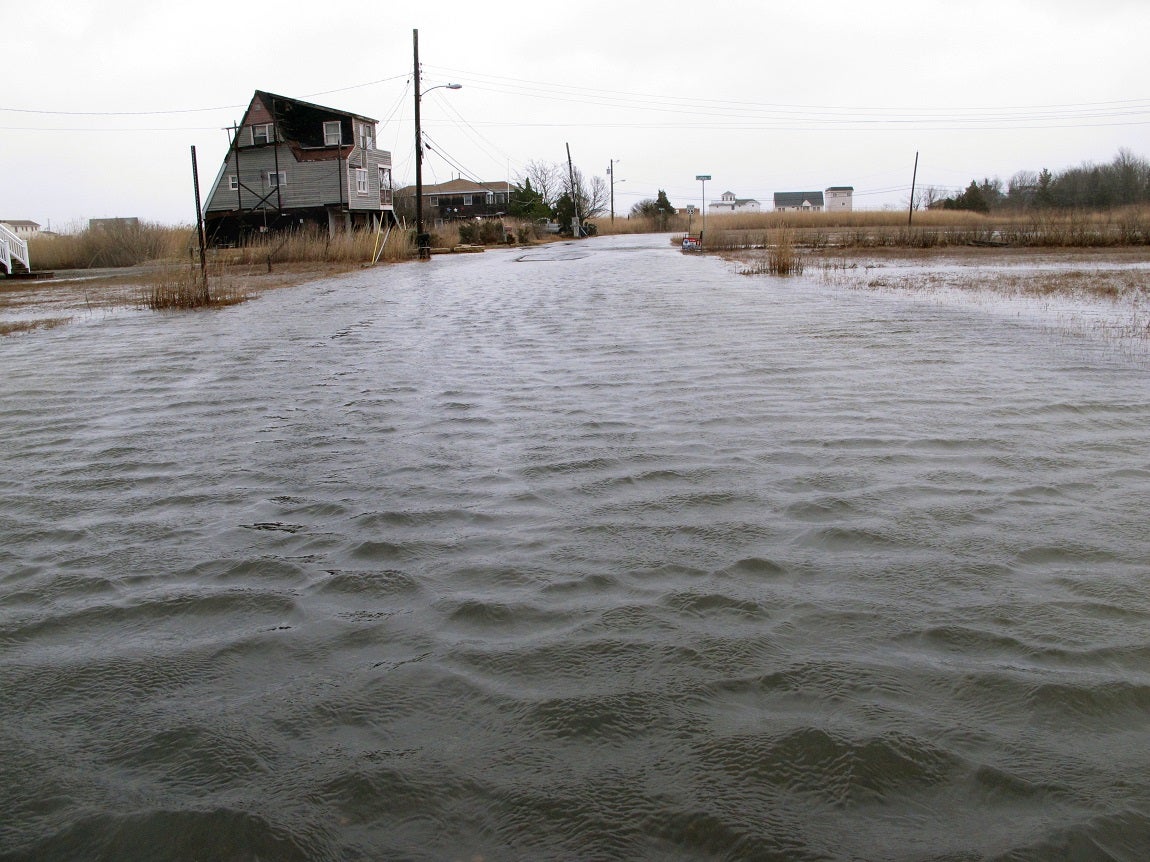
103, 98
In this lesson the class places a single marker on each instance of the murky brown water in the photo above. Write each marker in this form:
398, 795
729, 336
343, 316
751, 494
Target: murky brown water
598, 551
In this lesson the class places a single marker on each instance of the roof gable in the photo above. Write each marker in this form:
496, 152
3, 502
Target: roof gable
797, 199
461, 187
297, 121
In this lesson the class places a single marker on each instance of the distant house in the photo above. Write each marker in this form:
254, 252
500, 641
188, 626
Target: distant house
21, 227
294, 163
727, 202
839, 199
13, 249
798, 201
458, 199
115, 224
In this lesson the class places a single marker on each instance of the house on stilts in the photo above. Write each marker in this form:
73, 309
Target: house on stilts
293, 164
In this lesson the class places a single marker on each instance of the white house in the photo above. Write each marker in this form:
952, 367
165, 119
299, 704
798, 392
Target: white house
727, 202
839, 199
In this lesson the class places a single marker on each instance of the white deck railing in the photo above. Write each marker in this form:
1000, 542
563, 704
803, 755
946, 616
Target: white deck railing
12, 248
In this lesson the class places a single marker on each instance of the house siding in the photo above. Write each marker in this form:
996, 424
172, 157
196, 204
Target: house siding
307, 184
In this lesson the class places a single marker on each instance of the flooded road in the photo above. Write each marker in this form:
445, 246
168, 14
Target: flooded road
590, 551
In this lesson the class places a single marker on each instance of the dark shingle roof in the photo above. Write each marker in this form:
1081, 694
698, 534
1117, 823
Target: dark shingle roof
796, 199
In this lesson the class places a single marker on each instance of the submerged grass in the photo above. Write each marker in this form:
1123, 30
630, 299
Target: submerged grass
778, 259
16, 326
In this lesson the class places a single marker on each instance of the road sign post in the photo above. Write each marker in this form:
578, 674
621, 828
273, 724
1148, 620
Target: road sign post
703, 178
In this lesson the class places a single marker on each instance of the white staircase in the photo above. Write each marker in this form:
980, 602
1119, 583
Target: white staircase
13, 250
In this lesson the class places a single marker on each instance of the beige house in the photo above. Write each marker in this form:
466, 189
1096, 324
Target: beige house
806, 202
21, 227
839, 199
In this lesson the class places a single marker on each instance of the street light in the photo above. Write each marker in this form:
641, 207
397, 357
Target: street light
611, 174
422, 239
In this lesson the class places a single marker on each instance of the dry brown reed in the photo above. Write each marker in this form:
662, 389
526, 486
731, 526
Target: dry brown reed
316, 246
932, 229
116, 246
145, 243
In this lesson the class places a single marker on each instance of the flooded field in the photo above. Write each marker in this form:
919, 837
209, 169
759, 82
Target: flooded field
591, 551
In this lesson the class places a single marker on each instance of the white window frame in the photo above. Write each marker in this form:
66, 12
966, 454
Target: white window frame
366, 137
233, 182
467, 200
434, 200
277, 179
361, 181
265, 131
332, 129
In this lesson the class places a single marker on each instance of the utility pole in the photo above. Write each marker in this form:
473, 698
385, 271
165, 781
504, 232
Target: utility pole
611, 174
577, 228
200, 225
913, 178
422, 240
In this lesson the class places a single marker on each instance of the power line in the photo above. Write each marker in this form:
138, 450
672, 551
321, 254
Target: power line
165, 111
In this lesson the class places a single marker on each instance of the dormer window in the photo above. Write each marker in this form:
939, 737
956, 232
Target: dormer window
261, 134
332, 133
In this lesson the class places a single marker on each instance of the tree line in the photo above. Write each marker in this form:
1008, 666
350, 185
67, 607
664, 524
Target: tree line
1125, 181
546, 191
553, 191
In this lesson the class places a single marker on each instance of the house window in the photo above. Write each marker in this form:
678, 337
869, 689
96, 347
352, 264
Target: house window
277, 179
435, 200
490, 198
361, 181
366, 137
332, 133
262, 134
467, 200
233, 182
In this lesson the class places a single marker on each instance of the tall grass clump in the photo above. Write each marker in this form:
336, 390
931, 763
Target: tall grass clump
184, 288
779, 258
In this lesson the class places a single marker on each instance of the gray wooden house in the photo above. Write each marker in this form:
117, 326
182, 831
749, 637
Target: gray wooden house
292, 164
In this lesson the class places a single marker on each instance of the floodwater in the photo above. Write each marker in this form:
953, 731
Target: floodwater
597, 551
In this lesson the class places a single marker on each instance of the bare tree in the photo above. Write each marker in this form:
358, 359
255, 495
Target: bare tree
593, 196
928, 197
548, 180
597, 197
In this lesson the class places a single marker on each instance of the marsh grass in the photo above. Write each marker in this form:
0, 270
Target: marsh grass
314, 246
932, 229
128, 245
